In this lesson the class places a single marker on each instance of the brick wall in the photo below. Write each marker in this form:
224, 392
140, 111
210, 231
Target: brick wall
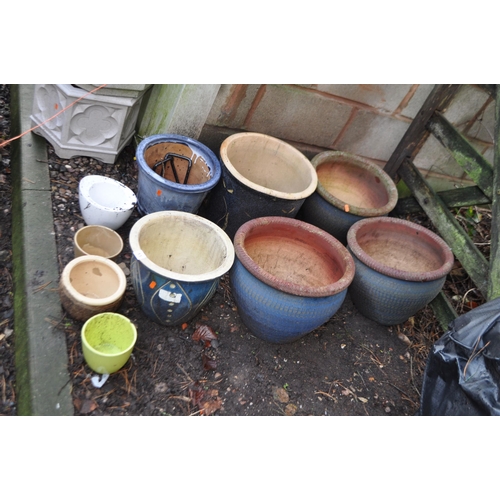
368, 120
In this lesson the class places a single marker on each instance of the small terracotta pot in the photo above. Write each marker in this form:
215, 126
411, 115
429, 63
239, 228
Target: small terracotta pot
97, 240
90, 285
261, 176
400, 268
349, 189
289, 277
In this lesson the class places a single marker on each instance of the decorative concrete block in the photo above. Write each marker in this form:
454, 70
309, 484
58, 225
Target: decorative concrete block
117, 89
96, 125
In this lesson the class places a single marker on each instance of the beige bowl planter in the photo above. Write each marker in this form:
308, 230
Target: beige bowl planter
261, 176
97, 240
90, 285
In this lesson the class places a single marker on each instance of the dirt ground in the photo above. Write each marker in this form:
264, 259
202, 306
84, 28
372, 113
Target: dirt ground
349, 366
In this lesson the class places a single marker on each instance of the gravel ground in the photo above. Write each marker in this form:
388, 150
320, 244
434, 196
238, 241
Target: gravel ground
7, 372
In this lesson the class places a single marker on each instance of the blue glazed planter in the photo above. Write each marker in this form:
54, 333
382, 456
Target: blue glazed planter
350, 188
174, 173
400, 268
288, 277
261, 176
178, 259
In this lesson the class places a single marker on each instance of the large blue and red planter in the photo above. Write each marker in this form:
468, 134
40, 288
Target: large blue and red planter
400, 267
288, 277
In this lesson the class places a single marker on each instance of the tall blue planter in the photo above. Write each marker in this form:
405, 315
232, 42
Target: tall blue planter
156, 193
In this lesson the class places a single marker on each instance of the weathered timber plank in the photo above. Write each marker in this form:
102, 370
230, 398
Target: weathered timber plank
453, 198
443, 310
465, 251
494, 276
489, 87
416, 134
478, 169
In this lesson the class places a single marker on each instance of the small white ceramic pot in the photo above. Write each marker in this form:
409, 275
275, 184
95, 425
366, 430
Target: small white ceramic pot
97, 240
90, 285
105, 201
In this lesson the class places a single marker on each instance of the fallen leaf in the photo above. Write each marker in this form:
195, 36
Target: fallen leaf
290, 410
279, 394
404, 338
184, 326
208, 363
86, 406
204, 333
211, 406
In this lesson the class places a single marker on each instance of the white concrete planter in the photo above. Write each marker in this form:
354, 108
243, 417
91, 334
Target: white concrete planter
99, 126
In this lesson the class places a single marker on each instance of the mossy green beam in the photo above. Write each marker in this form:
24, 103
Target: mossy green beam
42, 381
417, 132
465, 251
472, 162
453, 198
494, 278
443, 310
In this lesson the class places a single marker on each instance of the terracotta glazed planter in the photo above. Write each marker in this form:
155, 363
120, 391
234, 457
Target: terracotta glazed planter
261, 176
400, 268
349, 189
288, 277
175, 173
178, 259
90, 285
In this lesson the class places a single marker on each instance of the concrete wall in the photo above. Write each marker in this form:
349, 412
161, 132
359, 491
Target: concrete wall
368, 120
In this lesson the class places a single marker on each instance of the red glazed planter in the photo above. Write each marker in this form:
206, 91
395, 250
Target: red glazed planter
288, 278
400, 268
349, 189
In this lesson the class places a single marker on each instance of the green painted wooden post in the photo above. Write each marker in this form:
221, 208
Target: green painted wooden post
494, 276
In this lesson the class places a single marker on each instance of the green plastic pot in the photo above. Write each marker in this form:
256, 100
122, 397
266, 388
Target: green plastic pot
107, 341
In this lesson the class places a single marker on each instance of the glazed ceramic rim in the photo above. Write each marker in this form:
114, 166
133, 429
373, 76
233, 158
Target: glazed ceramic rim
190, 278
89, 301
104, 354
257, 187
287, 286
113, 233
85, 184
390, 271
196, 146
358, 161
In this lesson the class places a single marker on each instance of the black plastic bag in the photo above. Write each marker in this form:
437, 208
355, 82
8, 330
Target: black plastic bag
462, 375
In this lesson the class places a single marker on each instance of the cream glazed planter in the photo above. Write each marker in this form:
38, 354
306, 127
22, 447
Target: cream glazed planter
98, 125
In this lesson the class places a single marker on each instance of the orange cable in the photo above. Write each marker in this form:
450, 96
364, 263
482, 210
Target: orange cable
52, 117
